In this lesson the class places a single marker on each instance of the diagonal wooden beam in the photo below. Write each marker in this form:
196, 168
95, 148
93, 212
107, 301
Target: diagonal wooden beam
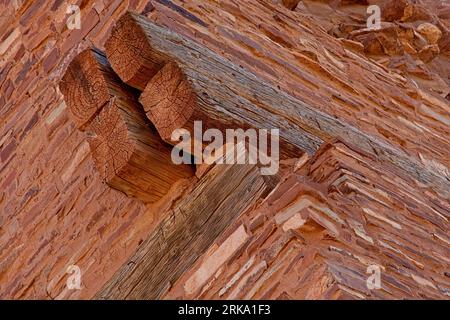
230, 95
133, 59
187, 231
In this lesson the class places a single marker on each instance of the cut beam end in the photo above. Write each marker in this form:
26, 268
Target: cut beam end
129, 155
111, 143
85, 85
169, 100
126, 149
129, 51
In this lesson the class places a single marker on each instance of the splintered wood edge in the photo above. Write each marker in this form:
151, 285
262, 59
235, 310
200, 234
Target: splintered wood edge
169, 100
129, 51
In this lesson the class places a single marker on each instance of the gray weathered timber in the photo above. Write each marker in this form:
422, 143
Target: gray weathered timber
187, 231
231, 93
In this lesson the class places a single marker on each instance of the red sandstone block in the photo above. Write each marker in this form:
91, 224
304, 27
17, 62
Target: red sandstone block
9, 179
31, 123
50, 61
6, 151
88, 22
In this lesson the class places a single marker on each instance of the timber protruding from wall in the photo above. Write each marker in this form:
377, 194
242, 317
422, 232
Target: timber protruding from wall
169, 101
133, 59
88, 84
232, 97
127, 151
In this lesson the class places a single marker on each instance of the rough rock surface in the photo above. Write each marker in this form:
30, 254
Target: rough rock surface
318, 232
353, 211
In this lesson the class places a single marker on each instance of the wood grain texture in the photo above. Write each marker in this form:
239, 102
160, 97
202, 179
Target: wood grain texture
184, 234
88, 84
127, 151
133, 59
229, 94
129, 154
169, 101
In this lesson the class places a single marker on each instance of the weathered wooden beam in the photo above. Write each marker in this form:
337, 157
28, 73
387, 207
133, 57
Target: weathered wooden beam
171, 98
129, 154
170, 102
188, 231
229, 93
127, 151
88, 85
133, 59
